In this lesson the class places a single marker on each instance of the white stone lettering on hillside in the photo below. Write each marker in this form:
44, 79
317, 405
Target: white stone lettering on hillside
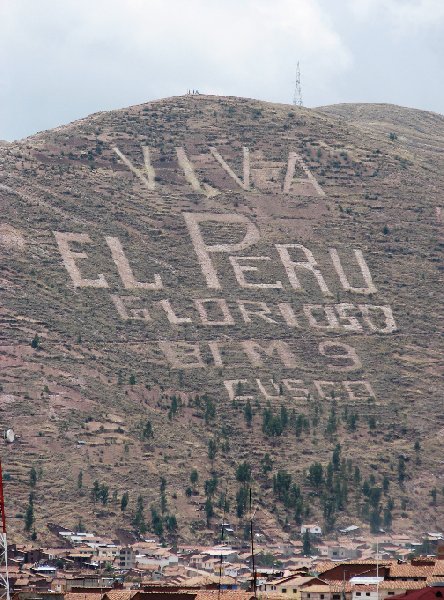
147, 177
125, 271
264, 392
222, 306
257, 309
190, 175
365, 271
347, 321
125, 311
232, 385
328, 314
215, 351
287, 313
294, 158
294, 387
240, 269
69, 258
359, 389
341, 353
204, 250
182, 355
171, 315
245, 184
256, 350
389, 321
309, 265
325, 388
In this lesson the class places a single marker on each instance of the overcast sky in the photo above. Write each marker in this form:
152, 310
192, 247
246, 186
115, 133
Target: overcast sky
64, 59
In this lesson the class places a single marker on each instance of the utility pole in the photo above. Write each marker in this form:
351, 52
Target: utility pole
4, 578
297, 98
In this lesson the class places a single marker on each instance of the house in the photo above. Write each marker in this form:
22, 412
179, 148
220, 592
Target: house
311, 529
425, 593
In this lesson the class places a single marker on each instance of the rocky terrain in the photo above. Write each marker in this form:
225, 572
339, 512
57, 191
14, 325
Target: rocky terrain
246, 290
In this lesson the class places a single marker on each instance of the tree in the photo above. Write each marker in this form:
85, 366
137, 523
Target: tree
156, 522
316, 474
32, 477
266, 464
387, 518
433, 494
104, 494
248, 413
212, 449
147, 432
375, 520
35, 343
241, 501
132, 379
401, 470
243, 472
80, 480
29, 516
336, 457
281, 484
124, 501
194, 477
95, 492
138, 521
209, 510
306, 543
171, 524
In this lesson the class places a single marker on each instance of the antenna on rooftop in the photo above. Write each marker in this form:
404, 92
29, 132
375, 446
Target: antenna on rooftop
297, 98
4, 578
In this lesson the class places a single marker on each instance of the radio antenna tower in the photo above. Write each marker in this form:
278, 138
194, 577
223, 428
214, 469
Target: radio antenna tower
297, 98
4, 578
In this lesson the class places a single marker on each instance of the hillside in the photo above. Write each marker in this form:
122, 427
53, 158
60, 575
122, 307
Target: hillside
200, 281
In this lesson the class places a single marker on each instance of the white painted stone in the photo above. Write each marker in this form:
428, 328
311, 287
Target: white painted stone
257, 309
347, 321
171, 315
204, 250
223, 307
264, 392
231, 386
182, 355
288, 314
364, 386
147, 177
245, 184
365, 272
294, 158
348, 354
255, 351
367, 309
190, 175
215, 351
125, 271
320, 386
240, 269
329, 314
69, 258
125, 311
294, 387
309, 265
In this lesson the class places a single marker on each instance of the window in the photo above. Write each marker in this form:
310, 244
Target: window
322, 596
367, 593
391, 593
284, 590
336, 596
358, 593
294, 591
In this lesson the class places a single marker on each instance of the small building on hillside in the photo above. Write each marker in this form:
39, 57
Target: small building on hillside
312, 529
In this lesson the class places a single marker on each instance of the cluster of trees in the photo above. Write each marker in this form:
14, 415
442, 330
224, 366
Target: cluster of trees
160, 521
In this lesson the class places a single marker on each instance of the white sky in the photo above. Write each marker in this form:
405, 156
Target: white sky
63, 59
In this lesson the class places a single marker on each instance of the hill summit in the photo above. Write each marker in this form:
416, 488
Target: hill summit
203, 295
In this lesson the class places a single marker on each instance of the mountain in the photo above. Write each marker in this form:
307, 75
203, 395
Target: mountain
246, 290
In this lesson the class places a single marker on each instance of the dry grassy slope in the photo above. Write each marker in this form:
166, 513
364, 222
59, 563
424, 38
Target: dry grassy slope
69, 179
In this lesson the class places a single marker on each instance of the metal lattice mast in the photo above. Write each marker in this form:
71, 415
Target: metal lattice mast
297, 98
4, 578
